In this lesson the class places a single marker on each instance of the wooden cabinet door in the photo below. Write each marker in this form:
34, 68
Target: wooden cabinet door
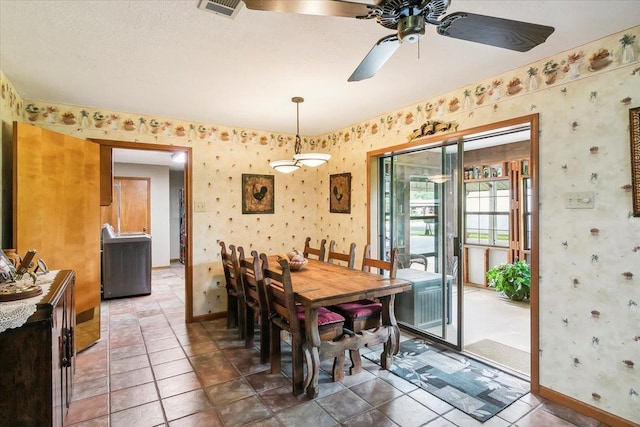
56, 210
134, 197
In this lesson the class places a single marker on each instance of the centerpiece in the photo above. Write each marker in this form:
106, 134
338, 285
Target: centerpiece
296, 260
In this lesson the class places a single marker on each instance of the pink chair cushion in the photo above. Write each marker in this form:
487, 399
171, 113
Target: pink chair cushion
325, 316
356, 309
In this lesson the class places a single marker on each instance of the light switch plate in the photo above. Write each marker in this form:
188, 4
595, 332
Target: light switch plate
580, 200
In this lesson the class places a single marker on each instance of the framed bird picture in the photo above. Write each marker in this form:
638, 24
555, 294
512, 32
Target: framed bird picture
340, 193
257, 194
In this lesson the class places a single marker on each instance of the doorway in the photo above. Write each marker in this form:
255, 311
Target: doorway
161, 154
424, 206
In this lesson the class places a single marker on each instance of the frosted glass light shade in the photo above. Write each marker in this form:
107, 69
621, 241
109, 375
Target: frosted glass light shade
285, 166
312, 159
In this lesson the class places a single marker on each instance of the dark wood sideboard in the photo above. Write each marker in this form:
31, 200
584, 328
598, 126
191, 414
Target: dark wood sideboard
37, 361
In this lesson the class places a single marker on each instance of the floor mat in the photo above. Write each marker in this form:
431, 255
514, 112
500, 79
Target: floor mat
479, 390
502, 354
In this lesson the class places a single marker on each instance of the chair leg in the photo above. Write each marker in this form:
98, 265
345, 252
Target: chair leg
232, 311
265, 338
249, 327
276, 354
241, 319
356, 362
297, 371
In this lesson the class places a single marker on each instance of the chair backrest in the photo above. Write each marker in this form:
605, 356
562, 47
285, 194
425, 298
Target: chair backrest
348, 258
391, 266
231, 268
251, 274
279, 293
318, 252
407, 260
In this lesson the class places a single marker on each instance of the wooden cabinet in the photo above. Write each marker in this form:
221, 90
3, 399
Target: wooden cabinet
37, 361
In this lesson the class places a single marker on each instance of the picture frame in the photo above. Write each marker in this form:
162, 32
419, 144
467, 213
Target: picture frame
340, 193
634, 128
258, 194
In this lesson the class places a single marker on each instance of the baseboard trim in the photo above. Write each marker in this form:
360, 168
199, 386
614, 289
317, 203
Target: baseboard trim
585, 409
209, 316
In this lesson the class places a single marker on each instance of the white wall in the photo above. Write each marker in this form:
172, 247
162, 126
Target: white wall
160, 224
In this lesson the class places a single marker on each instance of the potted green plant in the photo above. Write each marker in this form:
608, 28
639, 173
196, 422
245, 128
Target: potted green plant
512, 279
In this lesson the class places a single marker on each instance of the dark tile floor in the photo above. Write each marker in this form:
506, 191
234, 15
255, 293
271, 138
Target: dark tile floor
152, 369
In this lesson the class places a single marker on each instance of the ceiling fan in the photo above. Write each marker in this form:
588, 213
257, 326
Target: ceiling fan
408, 18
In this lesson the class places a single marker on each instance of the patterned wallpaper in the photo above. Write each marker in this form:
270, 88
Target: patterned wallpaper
589, 315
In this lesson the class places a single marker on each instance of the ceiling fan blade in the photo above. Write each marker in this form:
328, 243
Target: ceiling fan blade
499, 32
347, 9
375, 59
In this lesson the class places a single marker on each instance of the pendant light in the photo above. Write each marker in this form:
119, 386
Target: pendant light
299, 159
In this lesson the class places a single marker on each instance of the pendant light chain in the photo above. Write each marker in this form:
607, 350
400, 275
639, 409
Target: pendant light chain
297, 148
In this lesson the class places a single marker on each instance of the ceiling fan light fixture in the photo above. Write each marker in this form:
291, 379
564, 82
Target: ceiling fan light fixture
285, 166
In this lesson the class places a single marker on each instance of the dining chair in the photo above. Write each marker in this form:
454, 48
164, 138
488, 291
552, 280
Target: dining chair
349, 258
235, 292
255, 302
318, 252
287, 315
366, 314
407, 260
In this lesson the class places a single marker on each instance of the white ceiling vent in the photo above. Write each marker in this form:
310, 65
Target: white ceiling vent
227, 8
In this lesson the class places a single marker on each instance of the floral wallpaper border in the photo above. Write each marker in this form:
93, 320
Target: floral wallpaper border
538, 76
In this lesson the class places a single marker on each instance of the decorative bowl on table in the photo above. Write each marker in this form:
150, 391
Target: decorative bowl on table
297, 265
296, 260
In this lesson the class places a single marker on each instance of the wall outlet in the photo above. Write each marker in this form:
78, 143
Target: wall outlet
199, 207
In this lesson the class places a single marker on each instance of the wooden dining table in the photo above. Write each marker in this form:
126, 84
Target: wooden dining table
321, 284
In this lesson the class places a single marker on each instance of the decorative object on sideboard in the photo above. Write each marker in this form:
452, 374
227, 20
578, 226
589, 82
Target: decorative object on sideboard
12, 270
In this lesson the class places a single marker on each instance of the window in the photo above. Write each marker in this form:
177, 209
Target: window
487, 213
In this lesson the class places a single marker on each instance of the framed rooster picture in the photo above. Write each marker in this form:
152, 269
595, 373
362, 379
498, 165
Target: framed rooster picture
634, 127
340, 193
257, 194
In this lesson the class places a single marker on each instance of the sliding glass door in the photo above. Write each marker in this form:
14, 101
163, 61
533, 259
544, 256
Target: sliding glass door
420, 218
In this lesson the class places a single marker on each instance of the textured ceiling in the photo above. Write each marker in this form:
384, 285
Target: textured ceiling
171, 59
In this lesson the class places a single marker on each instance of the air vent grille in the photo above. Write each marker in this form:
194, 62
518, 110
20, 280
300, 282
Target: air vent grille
227, 8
